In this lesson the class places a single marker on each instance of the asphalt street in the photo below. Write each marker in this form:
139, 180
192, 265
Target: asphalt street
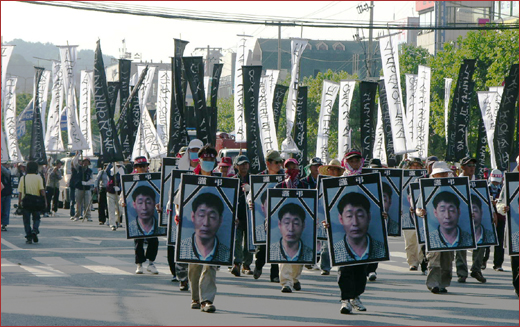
82, 273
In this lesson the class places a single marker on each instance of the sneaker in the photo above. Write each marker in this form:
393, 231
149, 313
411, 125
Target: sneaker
286, 289
139, 269
246, 270
113, 227
76, 219
183, 286
325, 272
435, 290
346, 307
207, 306
72, 218
35, 237
275, 280
174, 279
257, 273
151, 268
413, 268
498, 268
195, 304
236, 270
478, 276
88, 219
4, 229
357, 304
297, 286
372, 276
462, 279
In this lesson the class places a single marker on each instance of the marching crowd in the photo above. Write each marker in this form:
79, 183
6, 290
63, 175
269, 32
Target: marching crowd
202, 160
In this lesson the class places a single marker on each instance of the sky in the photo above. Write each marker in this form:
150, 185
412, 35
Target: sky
153, 37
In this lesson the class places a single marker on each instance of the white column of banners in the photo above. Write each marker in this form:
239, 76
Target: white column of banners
244, 56
164, 98
10, 124
379, 142
328, 97
411, 89
422, 112
489, 109
85, 96
447, 89
53, 141
346, 91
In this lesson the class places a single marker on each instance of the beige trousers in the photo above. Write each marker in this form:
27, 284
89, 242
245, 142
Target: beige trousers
203, 280
289, 274
414, 256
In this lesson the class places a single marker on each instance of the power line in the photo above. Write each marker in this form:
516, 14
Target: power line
254, 20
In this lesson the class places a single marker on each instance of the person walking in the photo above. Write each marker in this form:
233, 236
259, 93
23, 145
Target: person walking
100, 187
53, 187
83, 188
7, 192
32, 183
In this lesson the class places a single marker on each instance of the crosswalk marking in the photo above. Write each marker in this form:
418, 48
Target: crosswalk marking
9, 244
112, 261
54, 261
7, 263
44, 271
107, 270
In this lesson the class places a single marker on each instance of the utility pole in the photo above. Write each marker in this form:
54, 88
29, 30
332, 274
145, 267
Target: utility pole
279, 46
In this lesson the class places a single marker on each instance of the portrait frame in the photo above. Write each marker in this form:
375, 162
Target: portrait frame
321, 232
511, 181
130, 182
409, 176
335, 190
480, 189
394, 179
259, 185
176, 176
195, 188
306, 200
251, 247
415, 196
168, 164
458, 187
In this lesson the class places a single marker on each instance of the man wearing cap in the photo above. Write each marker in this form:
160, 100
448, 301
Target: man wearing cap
429, 164
273, 162
224, 167
495, 187
468, 166
83, 187
53, 187
242, 254
310, 181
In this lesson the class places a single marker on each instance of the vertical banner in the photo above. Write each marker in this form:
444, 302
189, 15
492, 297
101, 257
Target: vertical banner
505, 123
480, 154
147, 140
394, 96
421, 121
297, 48
265, 118
195, 74
328, 97
107, 128
5, 154
244, 53
125, 117
44, 95
346, 92
10, 121
251, 83
278, 97
7, 51
447, 91
113, 91
379, 141
300, 127
53, 141
164, 99
367, 92
213, 114
37, 152
391, 159
85, 96
459, 113
487, 101
411, 89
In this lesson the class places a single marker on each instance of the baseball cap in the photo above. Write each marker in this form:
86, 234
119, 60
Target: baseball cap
496, 176
294, 161
353, 154
440, 167
466, 160
431, 159
141, 161
316, 162
225, 162
241, 159
273, 155
195, 144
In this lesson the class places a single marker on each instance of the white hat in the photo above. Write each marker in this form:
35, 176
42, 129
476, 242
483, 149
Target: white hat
440, 167
195, 143
496, 176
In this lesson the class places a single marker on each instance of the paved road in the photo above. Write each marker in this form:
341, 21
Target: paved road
81, 273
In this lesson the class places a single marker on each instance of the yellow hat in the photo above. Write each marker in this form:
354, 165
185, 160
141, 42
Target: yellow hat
333, 163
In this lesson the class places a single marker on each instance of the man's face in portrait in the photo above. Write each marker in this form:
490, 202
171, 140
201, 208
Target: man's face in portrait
144, 205
291, 226
387, 200
207, 221
477, 215
355, 221
447, 214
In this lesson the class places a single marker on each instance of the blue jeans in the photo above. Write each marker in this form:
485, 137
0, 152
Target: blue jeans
6, 209
27, 223
72, 198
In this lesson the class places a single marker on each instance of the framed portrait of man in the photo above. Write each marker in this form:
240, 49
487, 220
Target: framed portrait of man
415, 196
206, 231
322, 232
250, 230
449, 218
291, 236
175, 176
259, 186
482, 209
511, 180
409, 176
168, 164
391, 180
141, 193
354, 211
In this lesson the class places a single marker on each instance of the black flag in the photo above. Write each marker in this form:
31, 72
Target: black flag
194, 67
213, 114
37, 152
279, 95
505, 123
107, 128
113, 91
300, 127
481, 150
251, 80
124, 84
367, 91
387, 126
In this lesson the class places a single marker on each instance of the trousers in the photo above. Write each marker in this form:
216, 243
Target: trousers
203, 280
352, 281
82, 201
439, 269
289, 274
114, 208
151, 250
180, 270
242, 254
461, 261
414, 255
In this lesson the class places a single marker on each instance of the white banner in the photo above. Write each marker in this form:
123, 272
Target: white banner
7, 51
297, 48
328, 97
447, 89
394, 96
10, 124
146, 139
68, 67
85, 96
146, 87
487, 103
379, 142
53, 141
164, 99
266, 117
75, 137
244, 56
272, 78
411, 91
43, 87
5, 154
422, 112
346, 91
